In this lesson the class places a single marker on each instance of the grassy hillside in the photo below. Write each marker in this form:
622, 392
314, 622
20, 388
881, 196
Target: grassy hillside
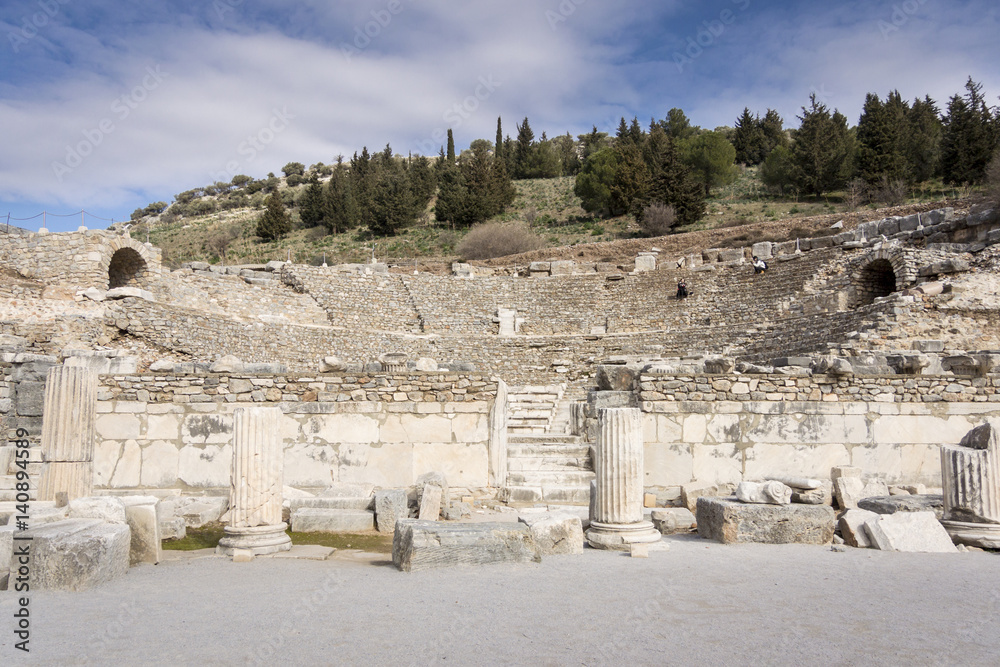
548, 205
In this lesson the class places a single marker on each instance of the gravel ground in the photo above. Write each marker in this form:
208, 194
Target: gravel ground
699, 603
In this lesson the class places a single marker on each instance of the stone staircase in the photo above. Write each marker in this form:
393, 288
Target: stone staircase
549, 468
531, 409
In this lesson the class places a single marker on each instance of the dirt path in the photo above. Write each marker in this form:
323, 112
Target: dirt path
700, 603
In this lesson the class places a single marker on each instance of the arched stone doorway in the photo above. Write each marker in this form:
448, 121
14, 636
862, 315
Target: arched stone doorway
876, 279
127, 268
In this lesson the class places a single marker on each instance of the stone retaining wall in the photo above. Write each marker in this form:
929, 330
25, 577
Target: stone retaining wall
730, 428
159, 431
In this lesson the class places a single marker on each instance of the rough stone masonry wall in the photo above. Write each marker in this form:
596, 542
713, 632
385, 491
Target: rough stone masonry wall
231, 297
722, 429
76, 259
159, 431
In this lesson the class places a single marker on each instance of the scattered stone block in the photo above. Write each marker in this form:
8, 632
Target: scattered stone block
691, 492
812, 496
729, 521
320, 520
77, 554
390, 506
772, 492
649, 500
305, 552
421, 545
911, 503
430, 503
909, 531
335, 503
105, 508
173, 528
140, 514
242, 555
852, 527
671, 520
850, 490
437, 479
201, 510
555, 532
639, 550
844, 471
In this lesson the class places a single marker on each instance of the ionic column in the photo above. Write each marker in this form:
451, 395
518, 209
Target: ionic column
618, 520
69, 413
970, 474
255, 491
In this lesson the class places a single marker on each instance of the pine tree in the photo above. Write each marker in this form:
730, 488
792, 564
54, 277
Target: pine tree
677, 125
312, 204
391, 201
275, 222
452, 193
778, 170
969, 138
342, 211
879, 156
774, 134
748, 139
923, 140
822, 149
423, 182
672, 184
523, 150
593, 183
710, 157
593, 142
631, 177
567, 154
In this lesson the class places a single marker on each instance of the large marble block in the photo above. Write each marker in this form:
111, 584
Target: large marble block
77, 554
421, 545
727, 520
390, 506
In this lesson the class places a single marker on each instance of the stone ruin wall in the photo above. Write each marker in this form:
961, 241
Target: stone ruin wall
175, 432
723, 429
79, 259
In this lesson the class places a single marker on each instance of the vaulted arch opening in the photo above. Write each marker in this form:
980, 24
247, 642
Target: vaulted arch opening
877, 279
126, 269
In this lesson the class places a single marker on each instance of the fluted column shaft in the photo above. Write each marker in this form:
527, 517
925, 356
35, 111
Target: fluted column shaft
971, 478
619, 466
69, 415
255, 494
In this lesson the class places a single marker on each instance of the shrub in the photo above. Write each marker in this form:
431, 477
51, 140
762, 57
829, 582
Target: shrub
856, 193
657, 219
993, 179
892, 192
495, 239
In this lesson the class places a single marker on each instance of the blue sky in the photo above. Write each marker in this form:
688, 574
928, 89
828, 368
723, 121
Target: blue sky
107, 106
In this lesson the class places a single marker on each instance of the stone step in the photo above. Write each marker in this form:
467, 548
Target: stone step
545, 439
556, 450
535, 389
550, 477
526, 429
564, 495
548, 464
319, 519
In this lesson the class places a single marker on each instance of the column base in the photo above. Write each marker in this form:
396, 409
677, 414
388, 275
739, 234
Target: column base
620, 536
982, 535
261, 540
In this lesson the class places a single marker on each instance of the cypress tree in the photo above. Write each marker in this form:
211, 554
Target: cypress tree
451, 147
498, 145
342, 213
774, 134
